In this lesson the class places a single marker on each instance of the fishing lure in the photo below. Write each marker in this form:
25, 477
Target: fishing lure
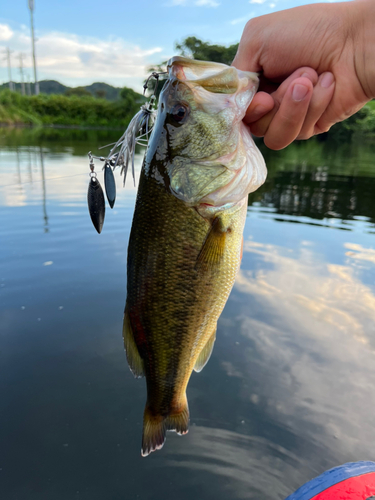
95, 198
122, 151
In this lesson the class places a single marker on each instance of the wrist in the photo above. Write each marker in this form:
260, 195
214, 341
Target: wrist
363, 29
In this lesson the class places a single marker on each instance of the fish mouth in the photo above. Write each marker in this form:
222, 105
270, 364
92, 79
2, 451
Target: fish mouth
214, 77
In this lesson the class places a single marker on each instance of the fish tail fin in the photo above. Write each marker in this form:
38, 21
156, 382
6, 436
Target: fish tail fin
154, 431
179, 420
155, 427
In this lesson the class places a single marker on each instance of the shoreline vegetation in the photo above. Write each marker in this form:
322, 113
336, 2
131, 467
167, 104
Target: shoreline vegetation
68, 110
96, 106
62, 111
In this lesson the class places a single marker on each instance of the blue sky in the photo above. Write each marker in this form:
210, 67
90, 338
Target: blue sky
83, 41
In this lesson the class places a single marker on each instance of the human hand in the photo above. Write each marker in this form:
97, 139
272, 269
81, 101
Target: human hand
335, 41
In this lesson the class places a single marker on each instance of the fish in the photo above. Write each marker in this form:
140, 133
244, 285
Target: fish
186, 239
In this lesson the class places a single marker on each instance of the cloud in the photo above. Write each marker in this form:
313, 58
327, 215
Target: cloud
5, 32
198, 3
206, 3
257, 1
75, 59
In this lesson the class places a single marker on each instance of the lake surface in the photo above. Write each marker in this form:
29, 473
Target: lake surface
290, 388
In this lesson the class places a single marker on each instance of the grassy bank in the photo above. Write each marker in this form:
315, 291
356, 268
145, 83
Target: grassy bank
16, 109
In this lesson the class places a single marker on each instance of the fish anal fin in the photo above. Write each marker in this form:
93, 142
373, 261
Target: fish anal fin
205, 353
155, 427
135, 361
213, 248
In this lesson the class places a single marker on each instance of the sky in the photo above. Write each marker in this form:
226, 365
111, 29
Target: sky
84, 41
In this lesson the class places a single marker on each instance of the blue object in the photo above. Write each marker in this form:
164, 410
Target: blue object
331, 478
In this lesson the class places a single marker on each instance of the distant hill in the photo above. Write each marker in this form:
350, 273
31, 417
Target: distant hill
111, 93
97, 89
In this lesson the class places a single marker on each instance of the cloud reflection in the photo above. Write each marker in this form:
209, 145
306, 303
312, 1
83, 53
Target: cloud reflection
309, 348
360, 253
308, 287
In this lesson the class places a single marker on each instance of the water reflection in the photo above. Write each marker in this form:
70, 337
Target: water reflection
289, 389
333, 294
45, 216
228, 456
319, 195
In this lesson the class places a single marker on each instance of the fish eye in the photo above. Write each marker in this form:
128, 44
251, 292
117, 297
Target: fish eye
179, 112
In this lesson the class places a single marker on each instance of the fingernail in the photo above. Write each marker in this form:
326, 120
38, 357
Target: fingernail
306, 75
299, 92
327, 80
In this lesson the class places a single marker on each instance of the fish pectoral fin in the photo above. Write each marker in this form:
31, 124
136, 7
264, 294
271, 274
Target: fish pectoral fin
135, 361
155, 427
213, 248
205, 353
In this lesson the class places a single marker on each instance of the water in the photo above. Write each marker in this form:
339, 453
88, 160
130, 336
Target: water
289, 390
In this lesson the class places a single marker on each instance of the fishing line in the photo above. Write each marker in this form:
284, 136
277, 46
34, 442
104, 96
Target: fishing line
39, 180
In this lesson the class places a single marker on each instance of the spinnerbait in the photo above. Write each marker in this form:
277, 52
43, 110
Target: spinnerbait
137, 132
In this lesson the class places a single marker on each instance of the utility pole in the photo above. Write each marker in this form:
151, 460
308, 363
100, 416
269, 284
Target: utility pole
31, 7
28, 85
8, 52
22, 78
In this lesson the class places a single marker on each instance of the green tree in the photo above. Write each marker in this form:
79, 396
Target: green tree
205, 51
100, 94
197, 49
79, 91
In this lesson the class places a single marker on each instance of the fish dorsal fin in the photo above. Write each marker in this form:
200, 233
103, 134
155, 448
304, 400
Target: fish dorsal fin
205, 353
135, 361
213, 248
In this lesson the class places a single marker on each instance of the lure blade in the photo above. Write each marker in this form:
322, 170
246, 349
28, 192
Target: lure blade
95, 200
110, 185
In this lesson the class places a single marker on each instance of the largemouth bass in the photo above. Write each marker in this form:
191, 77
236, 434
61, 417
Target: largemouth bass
185, 244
